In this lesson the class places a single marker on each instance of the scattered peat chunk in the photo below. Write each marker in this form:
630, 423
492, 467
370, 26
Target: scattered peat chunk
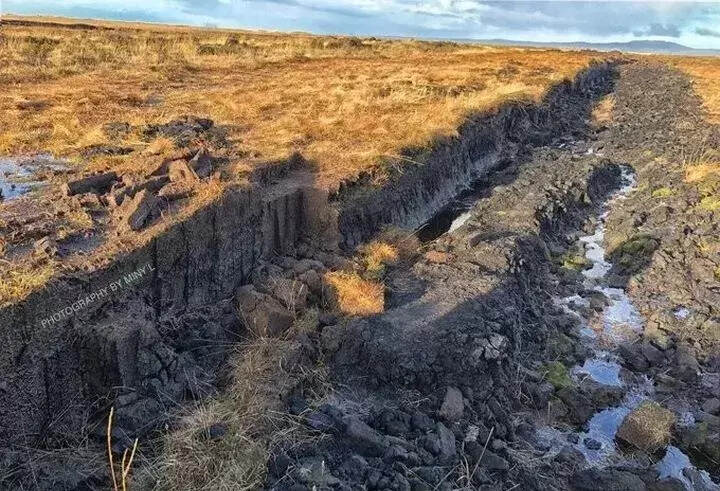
45, 247
177, 190
183, 131
105, 151
453, 405
98, 183
647, 427
116, 129
184, 154
363, 438
202, 163
137, 213
179, 171
261, 313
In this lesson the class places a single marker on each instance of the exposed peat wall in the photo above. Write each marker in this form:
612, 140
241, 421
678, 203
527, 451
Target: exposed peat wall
484, 142
158, 339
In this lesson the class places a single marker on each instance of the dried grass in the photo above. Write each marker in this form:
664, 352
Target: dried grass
21, 281
647, 427
603, 111
353, 295
702, 171
251, 414
344, 103
705, 73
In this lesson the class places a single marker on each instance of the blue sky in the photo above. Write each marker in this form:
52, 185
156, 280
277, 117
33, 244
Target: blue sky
694, 24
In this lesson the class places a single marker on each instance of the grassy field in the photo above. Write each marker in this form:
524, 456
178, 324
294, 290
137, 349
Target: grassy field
345, 104
705, 73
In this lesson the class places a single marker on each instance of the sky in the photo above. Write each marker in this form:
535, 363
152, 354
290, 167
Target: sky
694, 24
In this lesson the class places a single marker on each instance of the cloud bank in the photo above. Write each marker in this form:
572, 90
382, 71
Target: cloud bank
691, 23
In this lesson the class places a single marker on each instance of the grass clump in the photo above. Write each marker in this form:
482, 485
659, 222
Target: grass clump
19, 283
647, 427
557, 374
663, 192
576, 262
603, 111
710, 203
376, 255
224, 443
354, 295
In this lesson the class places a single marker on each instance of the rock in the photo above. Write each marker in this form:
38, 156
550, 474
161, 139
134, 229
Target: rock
177, 190
446, 444
592, 444
579, 406
312, 279
687, 365
570, 455
291, 293
633, 357
331, 337
201, 163
89, 200
179, 171
98, 183
139, 211
45, 247
421, 421
493, 462
594, 479
698, 481
701, 439
653, 355
364, 439
647, 427
437, 257
453, 405
666, 383
217, 431
323, 422
261, 313
712, 406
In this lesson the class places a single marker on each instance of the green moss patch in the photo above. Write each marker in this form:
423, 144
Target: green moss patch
663, 193
557, 374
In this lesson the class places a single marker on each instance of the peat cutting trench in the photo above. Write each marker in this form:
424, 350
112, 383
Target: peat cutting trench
554, 293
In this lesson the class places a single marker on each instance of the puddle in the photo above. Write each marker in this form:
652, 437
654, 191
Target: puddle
18, 175
456, 214
602, 371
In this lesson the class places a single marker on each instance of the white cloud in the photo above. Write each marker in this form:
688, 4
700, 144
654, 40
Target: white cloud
560, 20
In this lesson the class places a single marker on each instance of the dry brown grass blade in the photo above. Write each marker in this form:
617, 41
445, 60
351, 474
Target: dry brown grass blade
109, 449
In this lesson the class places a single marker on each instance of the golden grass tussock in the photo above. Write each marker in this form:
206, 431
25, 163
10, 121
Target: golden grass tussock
346, 104
224, 442
354, 295
603, 111
22, 281
376, 255
702, 171
647, 427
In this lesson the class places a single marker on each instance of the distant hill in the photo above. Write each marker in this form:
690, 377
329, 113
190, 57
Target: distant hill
639, 46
